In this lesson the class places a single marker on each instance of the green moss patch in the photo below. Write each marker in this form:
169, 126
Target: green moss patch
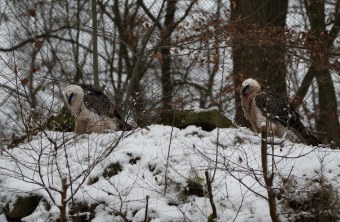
206, 119
63, 121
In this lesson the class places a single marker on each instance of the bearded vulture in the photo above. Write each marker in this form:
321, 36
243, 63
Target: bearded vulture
93, 110
261, 105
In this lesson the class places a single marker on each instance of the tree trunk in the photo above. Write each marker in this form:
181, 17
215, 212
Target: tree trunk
95, 45
320, 41
327, 120
251, 20
167, 83
135, 65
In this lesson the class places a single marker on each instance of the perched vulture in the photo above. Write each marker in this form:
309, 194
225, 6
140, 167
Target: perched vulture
93, 110
261, 105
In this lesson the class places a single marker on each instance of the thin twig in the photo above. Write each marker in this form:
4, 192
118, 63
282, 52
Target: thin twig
146, 208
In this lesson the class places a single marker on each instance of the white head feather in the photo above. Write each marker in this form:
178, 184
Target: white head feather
73, 96
250, 85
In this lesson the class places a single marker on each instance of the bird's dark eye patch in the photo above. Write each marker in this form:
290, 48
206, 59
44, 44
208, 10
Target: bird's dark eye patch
70, 97
245, 89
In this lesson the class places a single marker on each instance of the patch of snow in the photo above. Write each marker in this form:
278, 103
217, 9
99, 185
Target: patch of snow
39, 167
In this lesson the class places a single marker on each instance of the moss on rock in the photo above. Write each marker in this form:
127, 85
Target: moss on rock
63, 121
206, 119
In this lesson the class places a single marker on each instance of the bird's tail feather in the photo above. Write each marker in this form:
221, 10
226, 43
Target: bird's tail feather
306, 136
124, 126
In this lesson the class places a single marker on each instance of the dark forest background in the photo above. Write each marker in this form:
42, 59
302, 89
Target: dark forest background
173, 54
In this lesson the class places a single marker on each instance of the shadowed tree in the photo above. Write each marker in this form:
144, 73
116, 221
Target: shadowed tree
252, 22
320, 43
167, 28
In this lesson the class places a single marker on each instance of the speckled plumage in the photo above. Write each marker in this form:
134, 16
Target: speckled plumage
261, 105
92, 109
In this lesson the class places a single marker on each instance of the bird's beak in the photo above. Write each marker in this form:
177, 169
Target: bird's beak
243, 91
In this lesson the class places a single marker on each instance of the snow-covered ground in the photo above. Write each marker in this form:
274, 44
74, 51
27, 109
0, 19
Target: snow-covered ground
157, 164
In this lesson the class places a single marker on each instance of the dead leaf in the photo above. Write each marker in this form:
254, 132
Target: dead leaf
24, 81
32, 12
